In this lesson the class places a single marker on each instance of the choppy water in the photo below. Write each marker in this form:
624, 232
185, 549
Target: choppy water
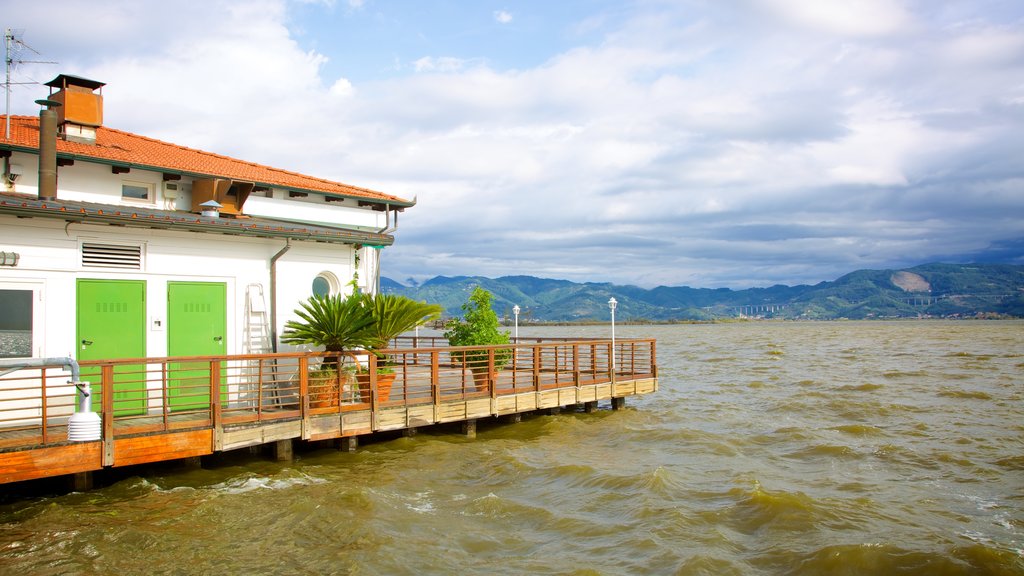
771, 448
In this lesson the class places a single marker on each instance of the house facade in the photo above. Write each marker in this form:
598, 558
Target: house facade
115, 245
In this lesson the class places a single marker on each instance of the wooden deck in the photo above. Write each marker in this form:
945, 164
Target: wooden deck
157, 409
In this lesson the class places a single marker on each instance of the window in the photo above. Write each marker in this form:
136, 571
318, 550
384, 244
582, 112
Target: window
325, 284
17, 312
137, 191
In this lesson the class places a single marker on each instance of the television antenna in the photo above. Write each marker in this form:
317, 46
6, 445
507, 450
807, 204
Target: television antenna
14, 46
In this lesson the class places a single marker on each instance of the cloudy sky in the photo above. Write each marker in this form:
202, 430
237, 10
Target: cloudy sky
705, 143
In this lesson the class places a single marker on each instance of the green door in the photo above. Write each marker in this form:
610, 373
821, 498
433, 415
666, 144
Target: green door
111, 323
196, 326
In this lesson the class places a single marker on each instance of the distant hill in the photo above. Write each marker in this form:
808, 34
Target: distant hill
930, 290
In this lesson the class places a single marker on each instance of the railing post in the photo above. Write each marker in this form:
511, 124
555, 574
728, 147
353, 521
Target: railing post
435, 384
654, 358
593, 361
259, 389
215, 407
491, 375
576, 365
374, 398
304, 386
107, 384
42, 404
633, 360
165, 399
536, 367
611, 365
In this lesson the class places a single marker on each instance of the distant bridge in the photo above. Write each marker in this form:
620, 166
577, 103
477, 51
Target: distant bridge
752, 310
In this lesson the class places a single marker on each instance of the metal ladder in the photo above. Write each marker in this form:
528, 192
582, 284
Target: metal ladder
257, 326
256, 340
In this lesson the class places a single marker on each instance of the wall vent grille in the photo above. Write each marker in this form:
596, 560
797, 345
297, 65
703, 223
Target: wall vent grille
111, 256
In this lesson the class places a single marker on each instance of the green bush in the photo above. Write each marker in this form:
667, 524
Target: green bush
479, 327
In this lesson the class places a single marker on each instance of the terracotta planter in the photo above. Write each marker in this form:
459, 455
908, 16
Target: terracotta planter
323, 391
483, 379
384, 382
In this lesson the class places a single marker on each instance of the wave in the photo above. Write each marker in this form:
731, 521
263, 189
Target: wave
897, 374
858, 429
878, 558
249, 482
965, 394
824, 450
867, 387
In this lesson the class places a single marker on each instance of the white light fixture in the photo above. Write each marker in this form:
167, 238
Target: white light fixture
9, 258
515, 312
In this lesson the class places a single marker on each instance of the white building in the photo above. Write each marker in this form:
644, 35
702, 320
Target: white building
118, 260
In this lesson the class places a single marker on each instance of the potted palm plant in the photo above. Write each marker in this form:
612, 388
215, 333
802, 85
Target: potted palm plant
392, 315
337, 323
479, 327
357, 321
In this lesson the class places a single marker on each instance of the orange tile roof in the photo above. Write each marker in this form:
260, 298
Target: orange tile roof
127, 149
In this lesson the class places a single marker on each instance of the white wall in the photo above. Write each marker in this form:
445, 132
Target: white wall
50, 253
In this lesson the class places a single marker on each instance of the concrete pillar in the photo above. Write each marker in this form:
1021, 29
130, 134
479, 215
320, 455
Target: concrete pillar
348, 443
80, 482
590, 407
619, 403
283, 451
469, 428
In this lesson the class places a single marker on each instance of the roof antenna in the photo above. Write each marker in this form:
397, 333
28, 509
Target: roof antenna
14, 45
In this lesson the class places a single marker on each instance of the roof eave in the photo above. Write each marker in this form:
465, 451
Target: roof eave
121, 216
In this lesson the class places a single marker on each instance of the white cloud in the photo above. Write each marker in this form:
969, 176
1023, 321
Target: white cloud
502, 16
691, 144
442, 64
861, 18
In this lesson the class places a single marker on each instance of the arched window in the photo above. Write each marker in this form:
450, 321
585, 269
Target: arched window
325, 284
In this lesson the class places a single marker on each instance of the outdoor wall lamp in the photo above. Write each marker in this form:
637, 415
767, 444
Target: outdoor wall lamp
9, 258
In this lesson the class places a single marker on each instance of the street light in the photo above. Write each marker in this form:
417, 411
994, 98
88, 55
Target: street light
515, 312
611, 305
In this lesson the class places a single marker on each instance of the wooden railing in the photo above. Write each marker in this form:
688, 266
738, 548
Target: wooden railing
150, 395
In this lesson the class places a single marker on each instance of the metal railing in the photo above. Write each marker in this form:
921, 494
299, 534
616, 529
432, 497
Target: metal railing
150, 395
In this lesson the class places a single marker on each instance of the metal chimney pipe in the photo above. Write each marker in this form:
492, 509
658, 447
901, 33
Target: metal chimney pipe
48, 149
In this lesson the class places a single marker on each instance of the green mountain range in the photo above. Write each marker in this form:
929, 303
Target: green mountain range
930, 290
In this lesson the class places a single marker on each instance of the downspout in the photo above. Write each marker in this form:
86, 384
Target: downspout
273, 292
387, 229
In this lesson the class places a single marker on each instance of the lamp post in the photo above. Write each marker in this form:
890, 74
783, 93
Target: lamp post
611, 305
515, 312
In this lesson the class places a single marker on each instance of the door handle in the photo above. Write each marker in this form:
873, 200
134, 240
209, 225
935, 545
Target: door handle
218, 339
86, 342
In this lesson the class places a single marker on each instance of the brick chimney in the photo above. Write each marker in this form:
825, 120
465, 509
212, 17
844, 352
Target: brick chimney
81, 107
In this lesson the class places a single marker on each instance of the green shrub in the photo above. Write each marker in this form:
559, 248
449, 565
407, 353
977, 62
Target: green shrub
479, 327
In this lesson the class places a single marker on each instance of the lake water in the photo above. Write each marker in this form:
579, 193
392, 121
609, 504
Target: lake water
771, 448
